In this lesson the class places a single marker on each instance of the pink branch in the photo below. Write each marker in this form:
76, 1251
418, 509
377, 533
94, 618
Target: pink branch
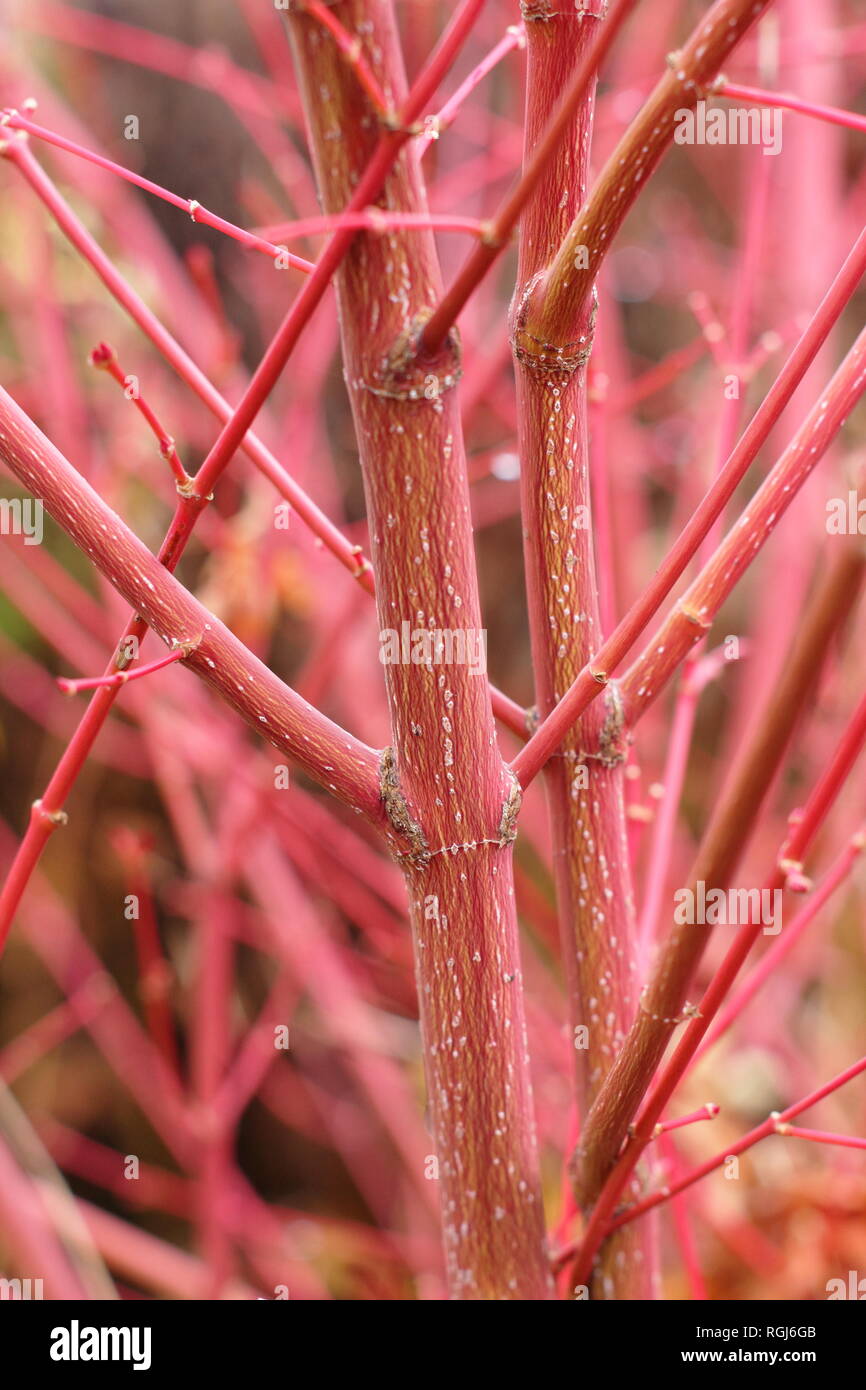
819, 1136
502, 225
31, 1231
350, 556
706, 1112
436, 125
119, 678
595, 675
375, 219
772, 958
104, 359
14, 121
805, 825
770, 1126
326, 752
833, 114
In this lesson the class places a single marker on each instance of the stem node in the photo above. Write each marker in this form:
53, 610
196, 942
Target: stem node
49, 818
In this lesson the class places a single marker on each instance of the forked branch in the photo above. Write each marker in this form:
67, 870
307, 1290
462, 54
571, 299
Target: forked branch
326, 752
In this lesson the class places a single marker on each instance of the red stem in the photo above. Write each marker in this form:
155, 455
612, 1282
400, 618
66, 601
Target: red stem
769, 1126
506, 218
327, 752
706, 1112
12, 120
119, 678
806, 824
771, 959
850, 119
444, 777
694, 613
105, 359
593, 678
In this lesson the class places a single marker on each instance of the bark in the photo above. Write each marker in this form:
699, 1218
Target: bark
584, 780
565, 289
445, 786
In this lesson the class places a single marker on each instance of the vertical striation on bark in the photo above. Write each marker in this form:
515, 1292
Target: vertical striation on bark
584, 779
444, 782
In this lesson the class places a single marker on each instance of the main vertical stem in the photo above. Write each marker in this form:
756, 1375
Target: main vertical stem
445, 786
583, 780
